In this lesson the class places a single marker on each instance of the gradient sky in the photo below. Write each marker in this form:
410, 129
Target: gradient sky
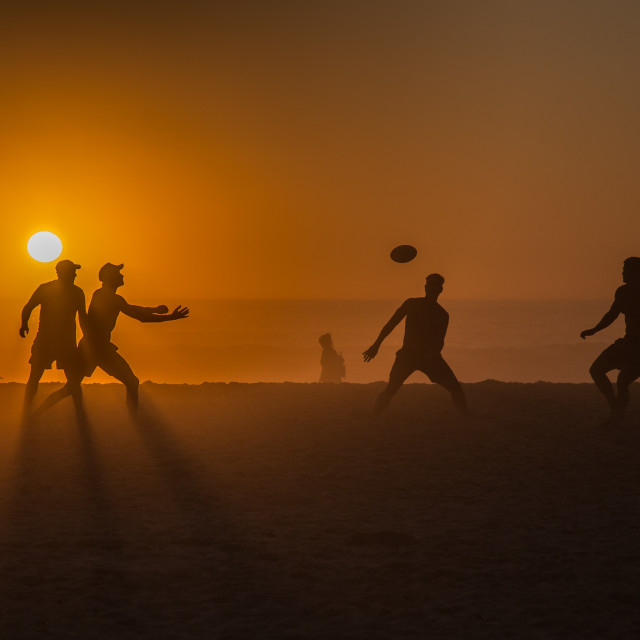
281, 149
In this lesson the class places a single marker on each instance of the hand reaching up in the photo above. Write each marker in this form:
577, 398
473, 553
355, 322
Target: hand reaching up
179, 312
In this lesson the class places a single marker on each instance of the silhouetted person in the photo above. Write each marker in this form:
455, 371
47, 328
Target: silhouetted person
96, 348
425, 328
624, 353
332, 362
60, 301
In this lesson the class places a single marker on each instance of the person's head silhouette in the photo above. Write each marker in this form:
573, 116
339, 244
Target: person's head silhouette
631, 271
325, 341
434, 285
110, 274
66, 271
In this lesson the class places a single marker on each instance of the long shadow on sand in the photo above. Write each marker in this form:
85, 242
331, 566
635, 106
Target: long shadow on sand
217, 578
63, 558
79, 562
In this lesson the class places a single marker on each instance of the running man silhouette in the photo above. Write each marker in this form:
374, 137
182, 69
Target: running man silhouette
96, 348
60, 302
425, 328
624, 353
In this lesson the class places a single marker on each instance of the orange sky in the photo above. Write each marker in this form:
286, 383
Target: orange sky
281, 149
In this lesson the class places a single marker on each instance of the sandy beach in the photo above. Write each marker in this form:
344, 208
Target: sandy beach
289, 511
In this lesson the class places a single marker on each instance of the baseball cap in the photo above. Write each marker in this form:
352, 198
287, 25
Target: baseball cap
66, 265
109, 269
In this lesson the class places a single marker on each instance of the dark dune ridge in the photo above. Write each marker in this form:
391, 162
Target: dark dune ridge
288, 511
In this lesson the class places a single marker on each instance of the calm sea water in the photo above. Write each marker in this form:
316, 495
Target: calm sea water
249, 341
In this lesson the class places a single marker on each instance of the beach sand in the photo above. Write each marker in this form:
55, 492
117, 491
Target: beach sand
289, 511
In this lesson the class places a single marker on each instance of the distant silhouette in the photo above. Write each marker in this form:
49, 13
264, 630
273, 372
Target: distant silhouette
96, 348
624, 353
60, 301
332, 362
424, 332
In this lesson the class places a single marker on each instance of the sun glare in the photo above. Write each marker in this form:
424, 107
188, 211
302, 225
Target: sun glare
44, 246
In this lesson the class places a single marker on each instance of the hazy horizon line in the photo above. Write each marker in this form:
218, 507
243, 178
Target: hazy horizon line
346, 299
322, 384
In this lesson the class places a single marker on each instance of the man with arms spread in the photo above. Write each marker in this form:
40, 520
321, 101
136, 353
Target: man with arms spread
96, 346
623, 354
425, 328
60, 301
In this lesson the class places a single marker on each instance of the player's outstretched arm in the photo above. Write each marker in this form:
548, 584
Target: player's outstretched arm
607, 319
371, 352
153, 314
33, 302
394, 321
82, 312
178, 313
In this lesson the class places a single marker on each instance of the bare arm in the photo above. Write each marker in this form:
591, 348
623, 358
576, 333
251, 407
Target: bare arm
82, 313
33, 302
153, 314
607, 319
394, 321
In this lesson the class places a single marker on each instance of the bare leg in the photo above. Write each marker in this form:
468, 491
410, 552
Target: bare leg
400, 371
604, 363
32, 388
119, 368
132, 397
441, 373
71, 388
74, 380
54, 398
459, 399
625, 378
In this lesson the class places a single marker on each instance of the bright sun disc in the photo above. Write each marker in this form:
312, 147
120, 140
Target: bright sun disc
44, 246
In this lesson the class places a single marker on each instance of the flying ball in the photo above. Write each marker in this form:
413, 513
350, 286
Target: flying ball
403, 253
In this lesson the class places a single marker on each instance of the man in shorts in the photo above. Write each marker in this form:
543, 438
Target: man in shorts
425, 328
96, 347
623, 354
60, 302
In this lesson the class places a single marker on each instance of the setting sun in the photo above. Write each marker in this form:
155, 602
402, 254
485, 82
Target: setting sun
44, 246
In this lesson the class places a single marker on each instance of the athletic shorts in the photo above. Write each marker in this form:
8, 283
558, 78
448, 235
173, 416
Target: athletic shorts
433, 366
105, 356
622, 354
45, 352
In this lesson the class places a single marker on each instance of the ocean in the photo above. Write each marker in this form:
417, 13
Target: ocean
277, 341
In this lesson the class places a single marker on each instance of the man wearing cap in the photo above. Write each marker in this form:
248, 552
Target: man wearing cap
96, 347
624, 353
424, 331
60, 302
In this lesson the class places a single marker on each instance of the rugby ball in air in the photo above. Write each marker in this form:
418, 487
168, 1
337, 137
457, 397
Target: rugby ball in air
403, 253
